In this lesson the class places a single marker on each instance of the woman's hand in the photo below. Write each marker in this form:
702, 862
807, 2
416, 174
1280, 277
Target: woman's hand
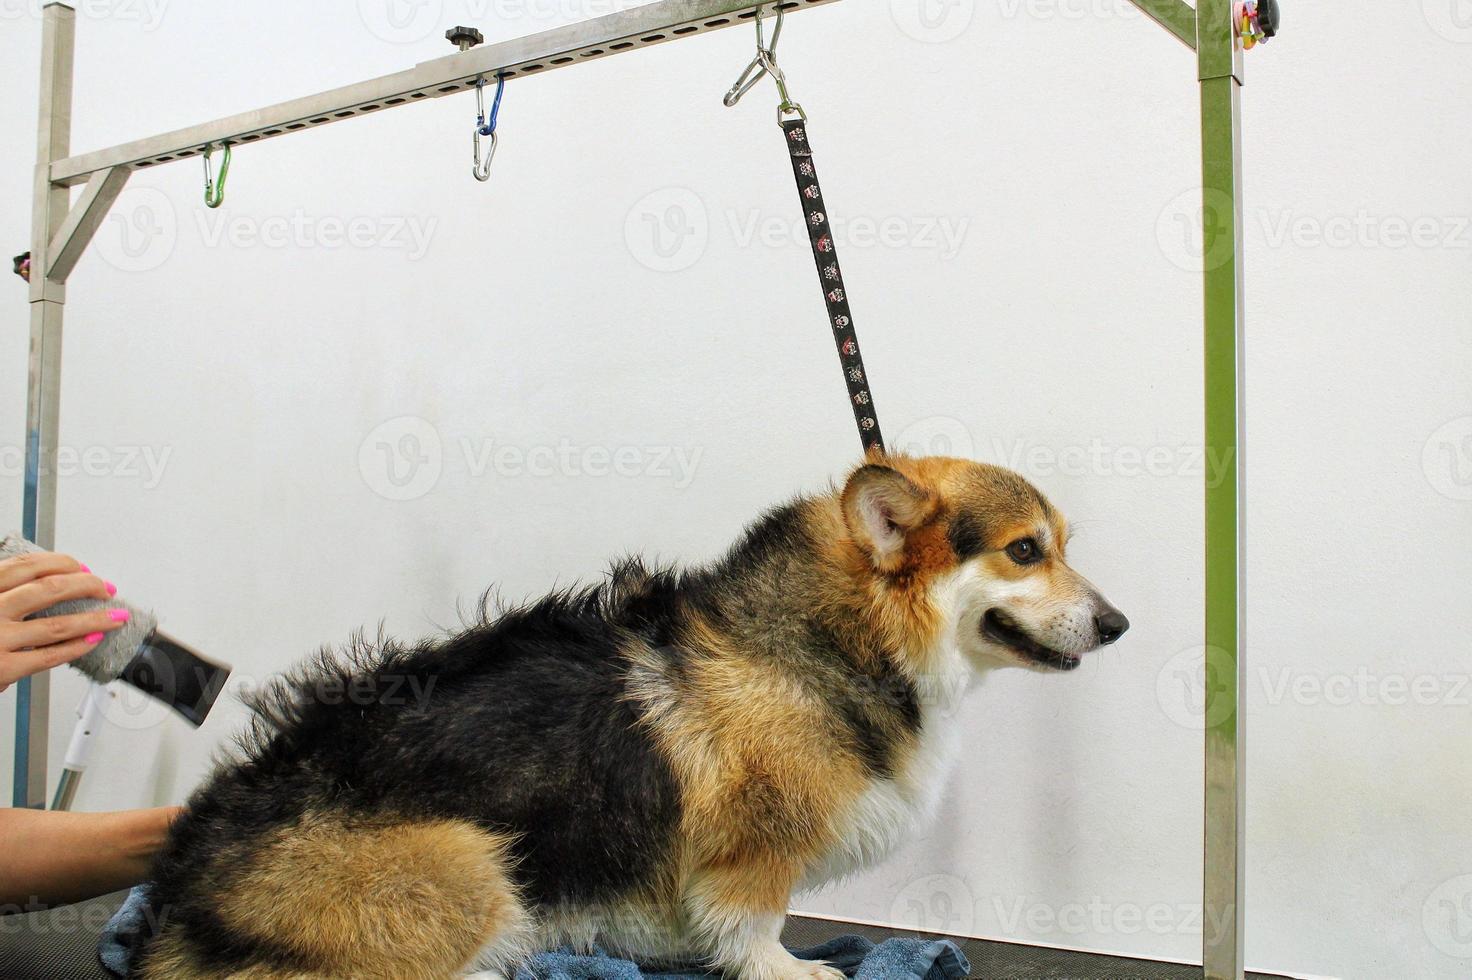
35, 582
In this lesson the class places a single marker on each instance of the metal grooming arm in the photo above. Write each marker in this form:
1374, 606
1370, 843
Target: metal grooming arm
61, 231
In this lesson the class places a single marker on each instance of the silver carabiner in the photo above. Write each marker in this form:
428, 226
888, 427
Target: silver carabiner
482, 168
486, 127
765, 63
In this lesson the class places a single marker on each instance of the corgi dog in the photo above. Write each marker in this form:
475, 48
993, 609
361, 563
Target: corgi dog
654, 763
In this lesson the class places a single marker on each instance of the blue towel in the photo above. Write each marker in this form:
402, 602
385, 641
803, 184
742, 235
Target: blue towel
893, 959
857, 957
125, 932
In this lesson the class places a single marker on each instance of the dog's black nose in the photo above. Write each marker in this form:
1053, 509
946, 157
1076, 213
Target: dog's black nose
1111, 625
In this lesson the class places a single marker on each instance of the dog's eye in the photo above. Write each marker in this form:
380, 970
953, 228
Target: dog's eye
1024, 551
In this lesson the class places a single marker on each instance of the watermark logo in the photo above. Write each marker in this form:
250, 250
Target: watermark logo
1451, 19
938, 435
1074, 10
147, 14
939, 903
402, 233
401, 459
943, 235
675, 464
1365, 229
668, 230
129, 709
1194, 688
1446, 459
1194, 230
401, 21
140, 232
941, 435
1365, 687
1100, 917
1446, 917
144, 465
933, 21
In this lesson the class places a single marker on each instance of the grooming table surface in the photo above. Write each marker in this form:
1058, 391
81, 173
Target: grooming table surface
62, 945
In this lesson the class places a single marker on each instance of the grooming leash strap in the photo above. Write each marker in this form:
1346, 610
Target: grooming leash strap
830, 277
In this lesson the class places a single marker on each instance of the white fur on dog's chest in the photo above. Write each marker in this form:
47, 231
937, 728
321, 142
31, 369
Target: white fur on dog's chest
891, 811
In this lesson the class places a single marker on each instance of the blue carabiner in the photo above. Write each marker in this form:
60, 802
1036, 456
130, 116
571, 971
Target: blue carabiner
484, 126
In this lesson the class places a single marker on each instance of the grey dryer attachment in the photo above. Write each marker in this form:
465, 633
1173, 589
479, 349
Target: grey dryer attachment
139, 654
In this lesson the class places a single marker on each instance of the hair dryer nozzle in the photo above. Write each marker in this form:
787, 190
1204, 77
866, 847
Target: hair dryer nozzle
181, 678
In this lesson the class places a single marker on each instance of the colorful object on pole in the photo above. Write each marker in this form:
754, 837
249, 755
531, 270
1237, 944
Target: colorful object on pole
1257, 22
21, 265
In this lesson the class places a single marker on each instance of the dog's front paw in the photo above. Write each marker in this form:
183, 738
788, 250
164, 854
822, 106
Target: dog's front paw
807, 970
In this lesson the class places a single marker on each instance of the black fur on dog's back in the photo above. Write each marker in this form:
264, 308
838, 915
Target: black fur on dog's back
518, 725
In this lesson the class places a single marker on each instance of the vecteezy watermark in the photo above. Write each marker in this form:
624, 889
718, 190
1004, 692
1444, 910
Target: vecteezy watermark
35, 917
940, 435
1195, 687
937, 903
148, 14
937, 435
140, 232
405, 233
670, 229
401, 21
674, 463
1451, 19
1099, 458
1446, 459
412, 21
667, 230
933, 21
1446, 916
1076, 10
143, 464
1363, 686
129, 708
1364, 229
1104, 918
404, 458
942, 234
1194, 229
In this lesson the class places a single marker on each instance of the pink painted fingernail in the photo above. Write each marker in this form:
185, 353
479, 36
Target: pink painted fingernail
92, 638
84, 568
111, 589
118, 615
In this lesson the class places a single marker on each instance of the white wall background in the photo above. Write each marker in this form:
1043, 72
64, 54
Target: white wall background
231, 373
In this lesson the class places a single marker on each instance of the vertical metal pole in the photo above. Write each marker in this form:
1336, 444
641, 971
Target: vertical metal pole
1220, 62
43, 386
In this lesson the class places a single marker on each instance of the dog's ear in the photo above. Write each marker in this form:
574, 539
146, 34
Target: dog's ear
881, 506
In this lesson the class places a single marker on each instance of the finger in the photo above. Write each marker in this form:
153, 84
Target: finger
36, 633
43, 593
14, 666
38, 564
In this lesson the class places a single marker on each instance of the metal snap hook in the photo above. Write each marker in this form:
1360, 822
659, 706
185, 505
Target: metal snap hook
765, 63
214, 188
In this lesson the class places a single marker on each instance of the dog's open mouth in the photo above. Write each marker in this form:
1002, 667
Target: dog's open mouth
998, 626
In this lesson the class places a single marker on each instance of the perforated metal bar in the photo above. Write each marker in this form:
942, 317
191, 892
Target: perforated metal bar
601, 37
